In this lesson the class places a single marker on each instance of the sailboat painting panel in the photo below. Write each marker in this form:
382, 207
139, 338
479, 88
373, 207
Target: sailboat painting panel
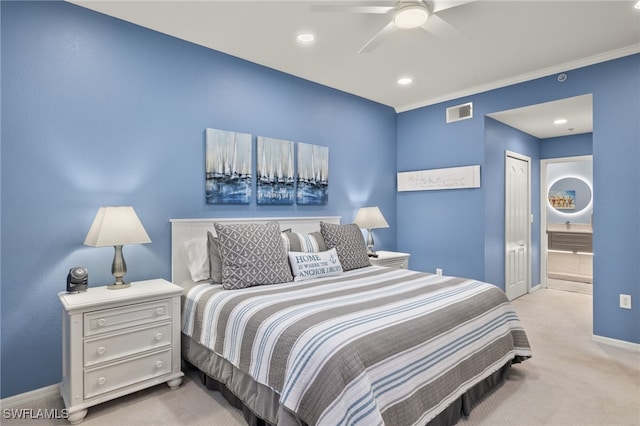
275, 172
313, 174
228, 167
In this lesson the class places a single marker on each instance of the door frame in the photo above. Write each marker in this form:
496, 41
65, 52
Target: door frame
527, 159
544, 186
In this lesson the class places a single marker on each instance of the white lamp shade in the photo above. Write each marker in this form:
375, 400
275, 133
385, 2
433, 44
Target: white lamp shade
370, 218
115, 226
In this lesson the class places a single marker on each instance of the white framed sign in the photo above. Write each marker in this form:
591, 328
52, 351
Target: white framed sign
449, 178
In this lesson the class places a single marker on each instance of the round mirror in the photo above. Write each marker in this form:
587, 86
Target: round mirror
569, 195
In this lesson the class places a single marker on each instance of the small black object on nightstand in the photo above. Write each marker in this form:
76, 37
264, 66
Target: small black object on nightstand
77, 279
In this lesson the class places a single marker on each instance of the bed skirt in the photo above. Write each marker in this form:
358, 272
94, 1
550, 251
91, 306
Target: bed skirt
259, 403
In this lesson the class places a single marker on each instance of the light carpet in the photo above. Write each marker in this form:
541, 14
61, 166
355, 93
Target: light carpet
571, 380
575, 286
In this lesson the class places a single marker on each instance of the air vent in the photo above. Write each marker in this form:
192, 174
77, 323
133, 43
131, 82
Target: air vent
460, 112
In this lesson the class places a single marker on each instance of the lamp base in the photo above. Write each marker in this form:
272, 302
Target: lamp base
370, 251
116, 286
118, 270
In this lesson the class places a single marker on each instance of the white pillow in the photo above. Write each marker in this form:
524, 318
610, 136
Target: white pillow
306, 266
198, 258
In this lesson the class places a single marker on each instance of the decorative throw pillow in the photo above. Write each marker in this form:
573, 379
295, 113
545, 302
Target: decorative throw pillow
197, 258
215, 262
308, 243
252, 254
307, 265
348, 242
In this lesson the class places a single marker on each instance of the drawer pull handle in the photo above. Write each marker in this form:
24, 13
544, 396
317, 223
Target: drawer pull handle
159, 336
102, 381
158, 364
101, 350
102, 322
159, 311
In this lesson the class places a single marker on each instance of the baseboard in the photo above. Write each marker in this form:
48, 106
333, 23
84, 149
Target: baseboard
535, 288
617, 343
27, 397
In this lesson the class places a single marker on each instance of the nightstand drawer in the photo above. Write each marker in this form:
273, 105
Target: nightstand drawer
99, 322
120, 374
391, 259
394, 263
108, 348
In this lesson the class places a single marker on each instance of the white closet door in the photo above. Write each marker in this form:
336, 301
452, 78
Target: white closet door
517, 225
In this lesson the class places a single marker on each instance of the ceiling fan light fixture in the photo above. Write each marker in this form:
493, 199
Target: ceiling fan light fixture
410, 16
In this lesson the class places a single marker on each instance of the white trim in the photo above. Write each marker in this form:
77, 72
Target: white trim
27, 397
255, 219
623, 344
580, 63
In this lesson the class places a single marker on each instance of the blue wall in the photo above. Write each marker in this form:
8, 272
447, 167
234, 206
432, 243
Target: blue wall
441, 229
96, 111
453, 226
498, 139
567, 146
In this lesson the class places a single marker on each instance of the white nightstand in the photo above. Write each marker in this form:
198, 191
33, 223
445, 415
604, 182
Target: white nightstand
115, 342
391, 259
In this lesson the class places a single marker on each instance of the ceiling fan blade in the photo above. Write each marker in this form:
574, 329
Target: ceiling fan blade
378, 38
438, 5
334, 8
443, 30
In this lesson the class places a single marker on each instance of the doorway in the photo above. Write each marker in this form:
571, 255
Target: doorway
566, 200
560, 128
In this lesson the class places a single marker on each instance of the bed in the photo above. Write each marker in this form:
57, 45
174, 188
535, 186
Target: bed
337, 341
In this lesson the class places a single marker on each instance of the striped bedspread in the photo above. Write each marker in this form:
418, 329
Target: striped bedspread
372, 346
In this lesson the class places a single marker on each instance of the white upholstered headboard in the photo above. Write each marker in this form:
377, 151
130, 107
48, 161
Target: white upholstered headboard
185, 229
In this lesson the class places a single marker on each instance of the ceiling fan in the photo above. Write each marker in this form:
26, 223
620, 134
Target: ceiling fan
405, 14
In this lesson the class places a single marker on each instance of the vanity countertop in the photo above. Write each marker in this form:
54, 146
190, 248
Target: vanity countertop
583, 228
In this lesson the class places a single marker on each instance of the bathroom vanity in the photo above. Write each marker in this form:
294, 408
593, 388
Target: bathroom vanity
570, 252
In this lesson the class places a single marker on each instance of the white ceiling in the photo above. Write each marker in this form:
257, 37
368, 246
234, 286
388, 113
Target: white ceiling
509, 41
538, 120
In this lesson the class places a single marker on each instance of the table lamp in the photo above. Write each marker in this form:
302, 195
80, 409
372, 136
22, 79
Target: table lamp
370, 218
116, 226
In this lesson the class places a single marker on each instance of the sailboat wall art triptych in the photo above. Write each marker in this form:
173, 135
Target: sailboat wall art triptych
229, 170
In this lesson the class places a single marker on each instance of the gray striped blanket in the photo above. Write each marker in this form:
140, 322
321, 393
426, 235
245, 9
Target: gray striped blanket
372, 346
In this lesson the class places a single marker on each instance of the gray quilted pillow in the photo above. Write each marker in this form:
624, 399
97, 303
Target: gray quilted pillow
348, 242
252, 254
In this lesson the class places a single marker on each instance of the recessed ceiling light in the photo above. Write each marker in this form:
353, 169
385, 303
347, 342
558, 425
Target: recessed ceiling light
560, 121
305, 38
637, 5
404, 81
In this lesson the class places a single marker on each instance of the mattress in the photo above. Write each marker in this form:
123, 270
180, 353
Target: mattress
374, 345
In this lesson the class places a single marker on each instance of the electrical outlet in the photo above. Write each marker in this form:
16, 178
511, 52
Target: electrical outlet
438, 271
625, 301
